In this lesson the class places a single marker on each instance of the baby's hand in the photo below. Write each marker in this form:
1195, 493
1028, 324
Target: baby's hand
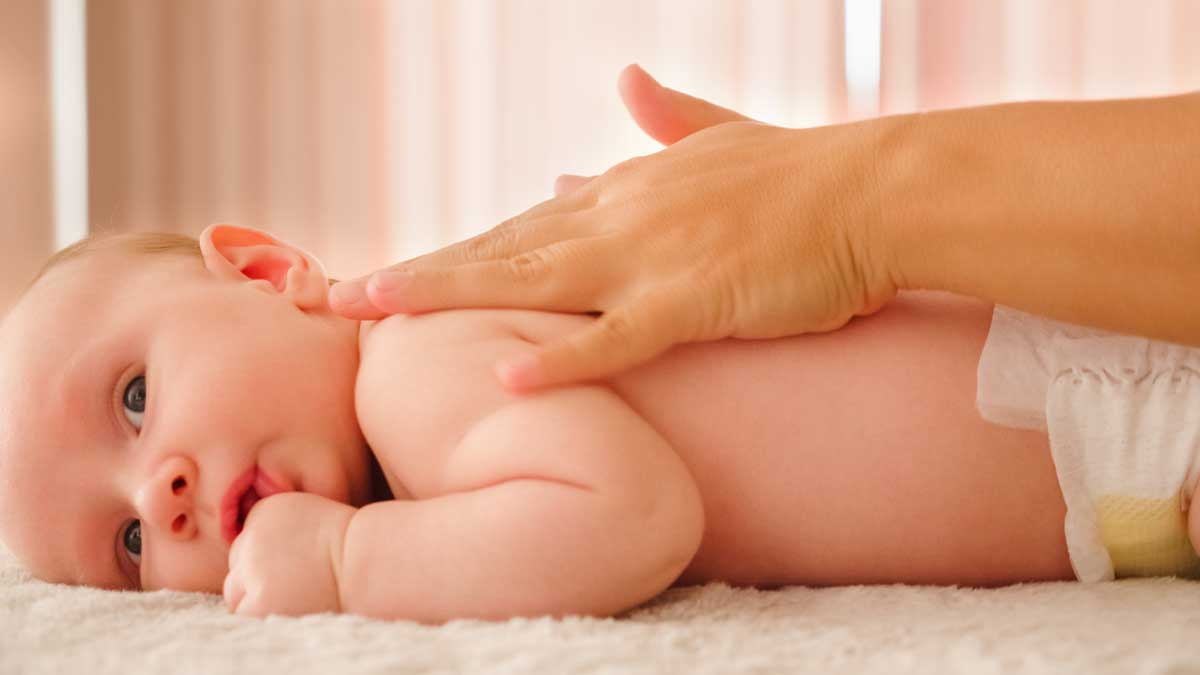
283, 561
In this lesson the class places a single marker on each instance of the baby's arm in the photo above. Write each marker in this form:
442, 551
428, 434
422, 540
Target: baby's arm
563, 502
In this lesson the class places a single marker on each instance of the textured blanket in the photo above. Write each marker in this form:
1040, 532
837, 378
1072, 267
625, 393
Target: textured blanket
1143, 626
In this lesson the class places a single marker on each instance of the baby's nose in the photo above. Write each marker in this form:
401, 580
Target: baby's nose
166, 502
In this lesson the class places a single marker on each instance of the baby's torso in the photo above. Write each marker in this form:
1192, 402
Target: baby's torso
849, 457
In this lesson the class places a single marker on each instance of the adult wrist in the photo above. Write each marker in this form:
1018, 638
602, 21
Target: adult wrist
902, 163
1074, 210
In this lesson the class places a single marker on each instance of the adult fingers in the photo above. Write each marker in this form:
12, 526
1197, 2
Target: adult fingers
665, 114
498, 242
511, 244
548, 278
349, 298
620, 339
526, 230
568, 183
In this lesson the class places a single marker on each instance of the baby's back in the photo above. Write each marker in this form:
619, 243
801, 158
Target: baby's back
851, 457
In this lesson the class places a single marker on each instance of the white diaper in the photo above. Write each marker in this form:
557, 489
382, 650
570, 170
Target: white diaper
1123, 416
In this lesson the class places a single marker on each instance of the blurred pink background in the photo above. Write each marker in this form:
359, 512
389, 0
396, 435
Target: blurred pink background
370, 131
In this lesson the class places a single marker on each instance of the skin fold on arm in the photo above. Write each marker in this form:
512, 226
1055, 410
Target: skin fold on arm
566, 501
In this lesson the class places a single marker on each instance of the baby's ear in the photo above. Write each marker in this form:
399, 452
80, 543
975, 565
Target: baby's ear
245, 254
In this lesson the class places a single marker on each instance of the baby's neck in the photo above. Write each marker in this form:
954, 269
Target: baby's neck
381, 490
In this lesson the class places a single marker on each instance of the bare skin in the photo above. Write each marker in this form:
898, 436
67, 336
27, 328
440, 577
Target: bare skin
847, 458
850, 457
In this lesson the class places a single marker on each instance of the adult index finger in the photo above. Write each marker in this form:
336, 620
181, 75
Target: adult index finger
517, 234
386, 291
551, 278
349, 298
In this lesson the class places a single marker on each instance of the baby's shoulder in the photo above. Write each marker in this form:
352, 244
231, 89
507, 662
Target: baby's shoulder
432, 329
424, 380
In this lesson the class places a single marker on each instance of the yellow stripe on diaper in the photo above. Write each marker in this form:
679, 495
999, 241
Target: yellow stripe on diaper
1146, 537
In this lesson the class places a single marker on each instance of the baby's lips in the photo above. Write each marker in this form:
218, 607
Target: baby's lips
232, 499
266, 486
247, 490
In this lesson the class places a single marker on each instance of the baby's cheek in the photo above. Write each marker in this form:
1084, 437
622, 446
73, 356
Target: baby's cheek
182, 567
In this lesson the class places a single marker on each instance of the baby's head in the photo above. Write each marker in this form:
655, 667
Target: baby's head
148, 382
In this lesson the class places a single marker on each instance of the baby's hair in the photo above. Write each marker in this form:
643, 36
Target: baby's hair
130, 242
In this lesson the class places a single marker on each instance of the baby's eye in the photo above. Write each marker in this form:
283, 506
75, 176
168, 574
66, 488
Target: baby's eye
134, 400
131, 540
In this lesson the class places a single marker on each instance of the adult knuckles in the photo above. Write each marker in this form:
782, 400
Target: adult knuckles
496, 242
617, 329
624, 168
714, 298
630, 178
528, 267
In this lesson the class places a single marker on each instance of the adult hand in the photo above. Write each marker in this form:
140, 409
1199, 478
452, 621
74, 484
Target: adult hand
740, 229
664, 114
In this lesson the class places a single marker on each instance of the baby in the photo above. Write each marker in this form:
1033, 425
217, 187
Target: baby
209, 424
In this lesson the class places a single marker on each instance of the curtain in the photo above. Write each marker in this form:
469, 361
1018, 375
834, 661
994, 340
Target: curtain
368, 131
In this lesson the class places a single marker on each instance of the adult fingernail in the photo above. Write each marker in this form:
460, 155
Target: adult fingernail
345, 292
390, 280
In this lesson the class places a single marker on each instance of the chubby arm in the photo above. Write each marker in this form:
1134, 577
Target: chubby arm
563, 502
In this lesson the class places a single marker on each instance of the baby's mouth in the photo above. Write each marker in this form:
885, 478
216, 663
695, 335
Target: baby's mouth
249, 498
244, 492
236, 504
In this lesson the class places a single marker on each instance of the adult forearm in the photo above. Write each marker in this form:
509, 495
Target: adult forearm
1087, 212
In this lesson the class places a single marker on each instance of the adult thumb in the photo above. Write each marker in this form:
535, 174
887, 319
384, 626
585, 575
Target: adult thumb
667, 115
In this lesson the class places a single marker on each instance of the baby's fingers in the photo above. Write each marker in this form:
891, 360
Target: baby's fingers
620, 339
234, 591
